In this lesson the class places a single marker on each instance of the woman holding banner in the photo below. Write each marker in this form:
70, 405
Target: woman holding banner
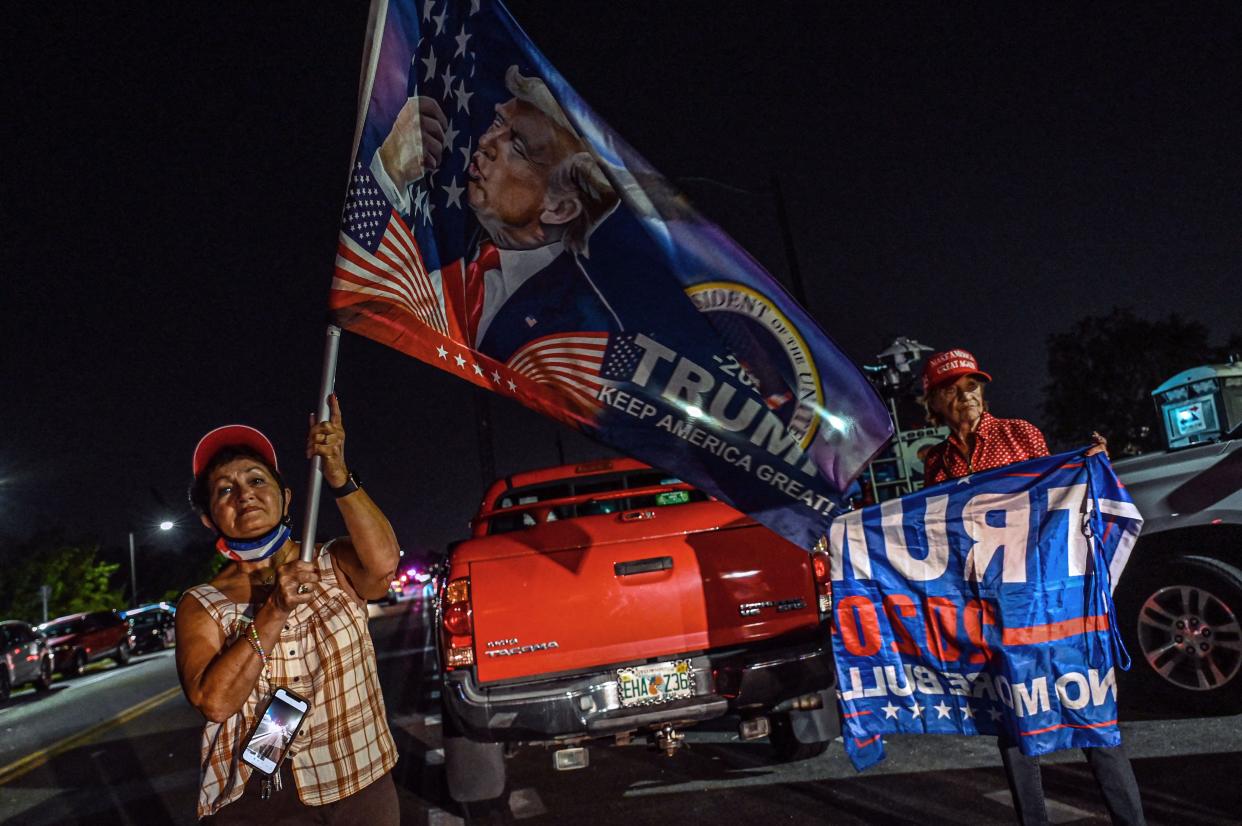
269, 621
953, 388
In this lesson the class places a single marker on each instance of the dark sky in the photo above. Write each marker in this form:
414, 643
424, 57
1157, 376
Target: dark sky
976, 176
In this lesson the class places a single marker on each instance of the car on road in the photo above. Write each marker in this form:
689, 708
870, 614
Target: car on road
601, 603
1179, 600
26, 658
79, 639
153, 627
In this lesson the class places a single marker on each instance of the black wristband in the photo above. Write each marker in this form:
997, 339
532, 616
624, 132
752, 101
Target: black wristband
351, 485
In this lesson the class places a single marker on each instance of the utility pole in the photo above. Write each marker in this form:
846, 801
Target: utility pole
483, 429
796, 285
45, 591
133, 575
791, 254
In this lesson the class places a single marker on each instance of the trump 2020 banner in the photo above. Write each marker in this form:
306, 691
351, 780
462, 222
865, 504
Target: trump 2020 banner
496, 227
984, 606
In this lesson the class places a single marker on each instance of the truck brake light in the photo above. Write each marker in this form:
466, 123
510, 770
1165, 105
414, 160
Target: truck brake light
821, 569
458, 621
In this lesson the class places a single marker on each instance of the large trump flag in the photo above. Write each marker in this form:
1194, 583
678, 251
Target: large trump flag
497, 228
983, 605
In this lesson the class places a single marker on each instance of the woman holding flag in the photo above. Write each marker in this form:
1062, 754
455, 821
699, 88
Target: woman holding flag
269, 620
953, 388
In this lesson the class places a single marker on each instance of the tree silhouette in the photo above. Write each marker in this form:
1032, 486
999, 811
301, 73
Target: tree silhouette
1103, 370
78, 581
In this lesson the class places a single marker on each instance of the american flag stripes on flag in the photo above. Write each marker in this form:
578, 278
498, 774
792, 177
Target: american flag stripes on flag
385, 265
571, 363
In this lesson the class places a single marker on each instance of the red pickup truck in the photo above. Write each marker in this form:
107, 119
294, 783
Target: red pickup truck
602, 602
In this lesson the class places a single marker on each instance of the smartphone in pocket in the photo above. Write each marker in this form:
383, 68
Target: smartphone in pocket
275, 731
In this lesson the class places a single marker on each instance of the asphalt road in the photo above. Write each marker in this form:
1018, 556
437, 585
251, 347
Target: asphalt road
120, 746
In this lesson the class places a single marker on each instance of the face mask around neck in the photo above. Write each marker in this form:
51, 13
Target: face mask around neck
253, 550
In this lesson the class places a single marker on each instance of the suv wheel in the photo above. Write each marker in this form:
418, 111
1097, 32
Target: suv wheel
44, 680
122, 654
786, 747
1183, 627
77, 665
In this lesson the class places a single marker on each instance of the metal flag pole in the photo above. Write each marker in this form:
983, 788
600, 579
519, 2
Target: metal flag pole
327, 380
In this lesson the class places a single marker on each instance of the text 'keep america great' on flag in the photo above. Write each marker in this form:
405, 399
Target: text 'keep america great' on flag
983, 606
494, 226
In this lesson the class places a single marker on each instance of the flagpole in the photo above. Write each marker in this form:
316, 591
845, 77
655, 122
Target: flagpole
327, 380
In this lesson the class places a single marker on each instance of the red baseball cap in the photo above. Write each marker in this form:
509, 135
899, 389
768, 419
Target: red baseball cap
227, 436
949, 366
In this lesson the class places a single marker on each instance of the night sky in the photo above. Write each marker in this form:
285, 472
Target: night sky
967, 176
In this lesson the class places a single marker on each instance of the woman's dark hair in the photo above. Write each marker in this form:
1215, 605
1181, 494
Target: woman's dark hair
200, 496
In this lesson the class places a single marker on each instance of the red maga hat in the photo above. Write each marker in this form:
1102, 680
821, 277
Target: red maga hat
229, 435
949, 366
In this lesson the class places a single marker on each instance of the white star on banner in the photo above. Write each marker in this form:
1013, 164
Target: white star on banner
448, 79
461, 362
466, 153
427, 214
420, 201
890, 711
439, 18
441, 352
965, 480
941, 710
916, 710
968, 713
463, 97
478, 371
428, 5
496, 376
512, 386
461, 41
474, 6
995, 715
430, 62
450, 136
453, 193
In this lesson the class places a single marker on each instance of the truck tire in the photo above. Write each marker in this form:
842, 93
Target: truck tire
474, 771
783, 737
1182, 623
122, 654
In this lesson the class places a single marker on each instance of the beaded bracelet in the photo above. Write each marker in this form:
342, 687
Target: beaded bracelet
252, 636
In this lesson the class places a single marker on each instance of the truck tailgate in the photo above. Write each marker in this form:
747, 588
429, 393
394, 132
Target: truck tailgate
664, 586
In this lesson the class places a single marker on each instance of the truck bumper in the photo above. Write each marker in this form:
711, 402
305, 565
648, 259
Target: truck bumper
588, 705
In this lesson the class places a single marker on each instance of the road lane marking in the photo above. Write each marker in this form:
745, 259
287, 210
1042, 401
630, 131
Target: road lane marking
36, 759
402, 652
1058, 812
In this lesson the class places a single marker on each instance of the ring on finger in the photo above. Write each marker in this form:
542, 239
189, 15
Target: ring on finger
303, 588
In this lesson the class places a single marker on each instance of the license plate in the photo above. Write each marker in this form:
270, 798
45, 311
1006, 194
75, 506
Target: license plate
655, 683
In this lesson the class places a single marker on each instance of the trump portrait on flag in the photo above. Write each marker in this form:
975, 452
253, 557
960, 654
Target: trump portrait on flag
537, 194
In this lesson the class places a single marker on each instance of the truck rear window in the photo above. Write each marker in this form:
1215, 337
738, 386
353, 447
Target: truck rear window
585, 487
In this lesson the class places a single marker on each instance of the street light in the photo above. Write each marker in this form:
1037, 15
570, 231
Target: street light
166, 525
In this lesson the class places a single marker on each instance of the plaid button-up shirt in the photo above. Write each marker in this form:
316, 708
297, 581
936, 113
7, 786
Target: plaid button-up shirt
998, 442
325, 654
